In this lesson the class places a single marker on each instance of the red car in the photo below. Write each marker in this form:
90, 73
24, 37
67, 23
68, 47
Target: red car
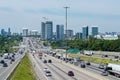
70, 73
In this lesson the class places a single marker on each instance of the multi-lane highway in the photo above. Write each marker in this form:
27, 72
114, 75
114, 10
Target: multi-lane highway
59, 69
6, 70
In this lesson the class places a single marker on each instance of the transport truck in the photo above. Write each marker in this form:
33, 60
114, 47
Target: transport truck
40, 54
113, 69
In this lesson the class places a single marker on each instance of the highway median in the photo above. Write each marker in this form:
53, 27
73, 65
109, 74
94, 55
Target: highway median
24, 71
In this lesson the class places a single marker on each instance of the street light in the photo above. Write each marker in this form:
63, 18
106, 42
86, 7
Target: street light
66, 7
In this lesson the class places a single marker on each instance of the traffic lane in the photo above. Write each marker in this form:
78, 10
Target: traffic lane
37, 67
8, 62
78, 75
91, 74
60, 67
7, 71
56, 75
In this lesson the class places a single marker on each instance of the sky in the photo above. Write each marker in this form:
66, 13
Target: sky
19, 14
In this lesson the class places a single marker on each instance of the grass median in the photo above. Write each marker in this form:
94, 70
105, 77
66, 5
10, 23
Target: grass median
95, 59
24, 71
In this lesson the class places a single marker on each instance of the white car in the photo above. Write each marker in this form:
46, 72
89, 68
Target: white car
48, 73
45, 69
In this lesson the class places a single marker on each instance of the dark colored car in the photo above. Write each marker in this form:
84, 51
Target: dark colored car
49, 61
82, 64
5, 65
45, 61
70, 73
12, 59
88, 63
2, 61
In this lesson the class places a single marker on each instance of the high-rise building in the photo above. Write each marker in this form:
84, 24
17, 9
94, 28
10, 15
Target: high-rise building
59, 32
42, 30
48, 30
25, 32
85, 32
69, 34
94, 31
2, 31
79, 35
9, 32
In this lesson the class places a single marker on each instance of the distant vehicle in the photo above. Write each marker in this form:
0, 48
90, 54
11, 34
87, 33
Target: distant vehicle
70, 73
48, 73
88, 53
12, 59
113, 69
49, 61
40, 53
2, 61
88, 63
45, 61
82, 64
104, 73
5, 65
101, 66
6, 56
1, 55
104, 55
45, 69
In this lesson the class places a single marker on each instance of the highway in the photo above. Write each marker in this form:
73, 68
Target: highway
60, 69
5, 72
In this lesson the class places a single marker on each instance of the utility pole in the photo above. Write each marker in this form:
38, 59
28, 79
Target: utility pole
66, 8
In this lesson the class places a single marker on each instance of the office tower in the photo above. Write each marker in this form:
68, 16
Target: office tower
69, 34
85, 32
94, 31
25, 32
9, 32
2, 32
79, 35
59, 32
48, 30
42, 30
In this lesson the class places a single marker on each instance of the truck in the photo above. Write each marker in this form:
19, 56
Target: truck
89, 53
40, 54
113, 69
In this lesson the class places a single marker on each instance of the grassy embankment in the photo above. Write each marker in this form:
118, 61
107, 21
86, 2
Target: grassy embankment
24, 71
95, 59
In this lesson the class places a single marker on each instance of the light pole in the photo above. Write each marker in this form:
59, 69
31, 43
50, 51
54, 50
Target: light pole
66, 7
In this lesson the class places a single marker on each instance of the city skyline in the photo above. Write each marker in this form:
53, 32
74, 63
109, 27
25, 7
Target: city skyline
104, 14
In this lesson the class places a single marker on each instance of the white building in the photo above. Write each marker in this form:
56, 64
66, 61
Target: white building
34, 32
107, 37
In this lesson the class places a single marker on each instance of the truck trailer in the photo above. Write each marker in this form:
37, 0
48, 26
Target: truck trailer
113, 69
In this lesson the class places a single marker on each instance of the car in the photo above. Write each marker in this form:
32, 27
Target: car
101, 66
88, 63
1, 55
2, 61
48, 73
70, 73
49, 61
82, 64
104, 73
45, 61
45, 69
12, 59
5, 65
